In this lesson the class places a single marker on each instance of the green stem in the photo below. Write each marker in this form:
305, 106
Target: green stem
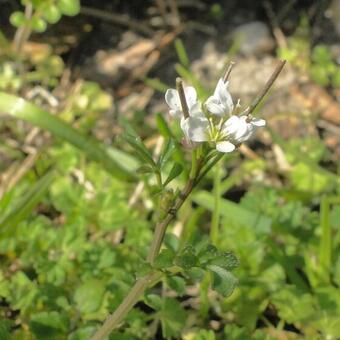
208, 167
215, 221
162, 226
326, 246
214, 228
123, 309
159, 179
325, 242
204, 296
142, 284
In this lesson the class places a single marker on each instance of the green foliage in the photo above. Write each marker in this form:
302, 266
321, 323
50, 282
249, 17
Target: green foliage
317, 61
324, 70
71, 244
69, 7
38, 117
194, 262
216, 11
44, 12
17, 19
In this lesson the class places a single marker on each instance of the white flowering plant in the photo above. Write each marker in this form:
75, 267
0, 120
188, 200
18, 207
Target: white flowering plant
216, 121
211, 129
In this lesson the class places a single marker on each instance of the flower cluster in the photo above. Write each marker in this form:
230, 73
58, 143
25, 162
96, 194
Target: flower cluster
215, 121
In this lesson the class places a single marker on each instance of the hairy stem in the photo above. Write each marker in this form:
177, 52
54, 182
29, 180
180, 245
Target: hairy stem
142, 284
123, 309
162, 226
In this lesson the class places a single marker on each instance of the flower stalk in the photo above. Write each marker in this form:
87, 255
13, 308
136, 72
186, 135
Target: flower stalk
143, 283
217, 124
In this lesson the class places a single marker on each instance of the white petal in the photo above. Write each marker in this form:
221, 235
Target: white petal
247, 135
225, 147
258, 122
231, 126
214, 106
222, 93
185, 127
196, 111
243, 127
235, 128
176, 113
220, 87
190, 95
233, 121
172, 99
197, 129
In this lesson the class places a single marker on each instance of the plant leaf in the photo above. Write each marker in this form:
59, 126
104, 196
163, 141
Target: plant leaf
175, 171
224, 282
141, 150
27, 202
166, 152
22, 109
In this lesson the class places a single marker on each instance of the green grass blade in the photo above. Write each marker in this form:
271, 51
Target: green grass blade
20, 108
192, 80
27, 202
215, 220
156, 84
234, 211
326, 245
182, 53
325, 250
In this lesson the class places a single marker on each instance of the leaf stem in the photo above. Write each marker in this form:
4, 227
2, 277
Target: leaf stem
159, 178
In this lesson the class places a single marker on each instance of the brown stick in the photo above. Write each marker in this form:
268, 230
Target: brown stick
117, 19
181, 93
228, 71
266, 88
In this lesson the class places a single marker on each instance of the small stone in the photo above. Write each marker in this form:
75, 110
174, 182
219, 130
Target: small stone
333, 13
253, 38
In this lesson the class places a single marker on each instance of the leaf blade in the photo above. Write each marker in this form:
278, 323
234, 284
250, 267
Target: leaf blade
22, 109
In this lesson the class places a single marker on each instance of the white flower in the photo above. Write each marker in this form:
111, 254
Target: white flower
239, 129
226, 135
174, 102
196, 129
214, 127
221, 102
